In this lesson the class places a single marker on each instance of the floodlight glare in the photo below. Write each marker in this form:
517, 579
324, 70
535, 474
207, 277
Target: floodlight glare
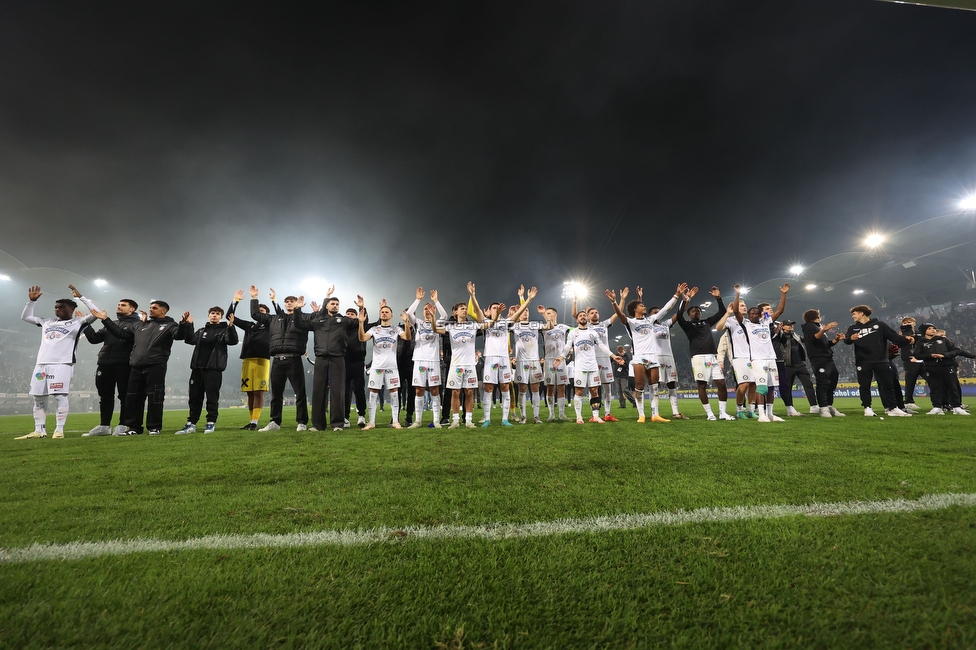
573, 289
874, 240
811, 287
101, 282
968, 204
743, 291
315, 287
4, 277
858, 292
796, 269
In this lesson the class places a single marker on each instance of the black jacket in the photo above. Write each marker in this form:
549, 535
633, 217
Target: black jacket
152, 341
925, 348
872, 343
789, 346
331, 332
257, 336
210, 346
115, 351
284, 337
700, 339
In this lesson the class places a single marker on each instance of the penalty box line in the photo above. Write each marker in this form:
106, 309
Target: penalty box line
84, 550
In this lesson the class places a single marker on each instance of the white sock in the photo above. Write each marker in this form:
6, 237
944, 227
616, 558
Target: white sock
395, 405
62, 413
655, 405
673, 397
435, 407
506, 404
708, 410
722, 406
371, 401
639, 400
521, 404
40, 412
578, 405
535, 404
561, 403
550, 405
487, 405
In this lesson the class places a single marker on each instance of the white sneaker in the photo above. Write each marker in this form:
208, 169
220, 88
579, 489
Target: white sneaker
455, 424
189, 427
793, 413
911, 407
763, 418
833, 411
360, 422
59, 433
36, 434
270, 426
100, 430
346, 424
470, 425
415, 425
960, 411
936, 411
712, 418
301, 427
726, 416
897, 413
776, 418
120, 430
814, 409
825, 412
868, 412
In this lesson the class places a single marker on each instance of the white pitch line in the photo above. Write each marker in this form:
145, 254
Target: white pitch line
82, 550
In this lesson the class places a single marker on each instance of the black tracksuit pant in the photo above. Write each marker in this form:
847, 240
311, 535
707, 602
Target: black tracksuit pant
787, 375
328, 385
882, 373
825, 372
290, 369
109, 381
355, 386
204, 383
148, 382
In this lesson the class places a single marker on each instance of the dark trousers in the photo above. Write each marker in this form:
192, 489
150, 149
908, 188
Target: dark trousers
943, 387
355, 386
896, 386
109, 381
880, 372
826, 375
788, 375
330, 373
407, 393
204, 383
148, 382
912, 373
623, 392
288, 369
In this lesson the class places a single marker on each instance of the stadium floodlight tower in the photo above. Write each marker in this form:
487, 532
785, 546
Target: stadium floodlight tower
572, 290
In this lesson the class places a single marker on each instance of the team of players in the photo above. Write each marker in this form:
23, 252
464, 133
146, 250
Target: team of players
748, 344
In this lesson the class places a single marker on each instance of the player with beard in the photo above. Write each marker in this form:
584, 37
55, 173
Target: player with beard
528, 366
426, 357
738, 350
383, 372
556, 379
112, 374
583, 343
498, 365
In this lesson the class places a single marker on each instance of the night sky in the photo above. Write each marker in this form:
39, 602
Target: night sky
185, 150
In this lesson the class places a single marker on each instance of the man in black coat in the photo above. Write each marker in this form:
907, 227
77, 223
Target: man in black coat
112, 373
207, 367
331, 331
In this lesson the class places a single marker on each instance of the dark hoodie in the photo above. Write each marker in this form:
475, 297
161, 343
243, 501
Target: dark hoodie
152, 341
115, 351
872, 343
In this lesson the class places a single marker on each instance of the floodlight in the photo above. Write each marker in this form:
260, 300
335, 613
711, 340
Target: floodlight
811, 287
874, 240
315, 287
743, 291
858, 292
101, 282
573, 289
4, 277
967, 204
796, 269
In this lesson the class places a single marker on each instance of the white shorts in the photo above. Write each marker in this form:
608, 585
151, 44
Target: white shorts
462, 377
426, 373
606, 370
51, 379
586, 378
380, 378
668, 372
556, 376
528, 372
767, 373
743, 371
648, 362
498, 370
706, 368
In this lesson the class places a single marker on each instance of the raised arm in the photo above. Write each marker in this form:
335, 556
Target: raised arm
525, 305
612, 295
781, 307
478, 315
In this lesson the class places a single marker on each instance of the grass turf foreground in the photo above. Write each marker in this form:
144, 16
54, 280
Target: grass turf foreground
875, 580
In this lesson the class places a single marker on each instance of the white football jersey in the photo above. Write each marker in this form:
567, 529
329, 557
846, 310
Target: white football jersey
462, 337
59, 338
384, 346
496, 338
527, 340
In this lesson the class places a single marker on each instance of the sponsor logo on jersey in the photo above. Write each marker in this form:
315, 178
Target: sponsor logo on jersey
57, 386
39, 376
